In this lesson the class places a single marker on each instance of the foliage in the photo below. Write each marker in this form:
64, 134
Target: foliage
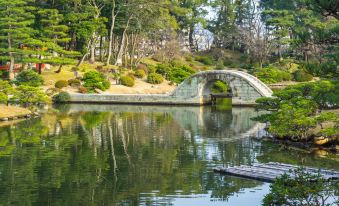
52, 91
62, 97
155, 78
61, 84
3, 98
94, 79
74, 82
302, 76
29, 78
30, 95
140, 73
175, 72
302, 188
127, 81
295, 110
219, 87
204, 59
6, 87
272, 75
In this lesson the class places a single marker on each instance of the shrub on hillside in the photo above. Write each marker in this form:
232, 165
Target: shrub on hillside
74, 82
95, 80
155, 78
140, 73
175, 72
30, 95
272, 75
204, 59
61, 84
52, 91
219, 87
127, 81
3, 98
29, 78
302, 76
62, 97
179, 74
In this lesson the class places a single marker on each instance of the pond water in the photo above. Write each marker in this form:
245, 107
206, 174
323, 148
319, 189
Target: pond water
136, 155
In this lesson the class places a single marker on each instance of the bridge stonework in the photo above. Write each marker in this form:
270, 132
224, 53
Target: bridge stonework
193, 91
245, 87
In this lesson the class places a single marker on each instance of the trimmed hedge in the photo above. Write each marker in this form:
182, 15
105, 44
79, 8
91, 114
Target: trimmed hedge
155, 78
127, 81
74, 82
302, 76
62, 97
61, 84
96, 80
140, 73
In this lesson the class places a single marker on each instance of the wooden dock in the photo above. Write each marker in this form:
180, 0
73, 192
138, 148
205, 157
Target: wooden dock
268, 172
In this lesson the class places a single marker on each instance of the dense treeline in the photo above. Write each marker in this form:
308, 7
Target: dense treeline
122, 32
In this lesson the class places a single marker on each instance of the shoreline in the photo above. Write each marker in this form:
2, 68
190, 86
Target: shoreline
10, 113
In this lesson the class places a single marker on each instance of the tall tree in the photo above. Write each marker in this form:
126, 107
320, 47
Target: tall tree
16, 19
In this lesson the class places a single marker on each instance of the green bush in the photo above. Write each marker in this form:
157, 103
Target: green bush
219, 87
52, 91
95, 80
272, 75
30, 95
204, 59
299, 187
302, 76
127, 81
6, 87
140, 73
155, 78
29, 78
3, 98
62, 97
61, 84
179, 74
175, 72
74, 82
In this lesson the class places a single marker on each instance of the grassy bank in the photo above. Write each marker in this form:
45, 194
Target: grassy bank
12, 112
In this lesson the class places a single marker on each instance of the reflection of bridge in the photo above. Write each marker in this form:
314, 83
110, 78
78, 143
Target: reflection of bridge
224, 125
193, 91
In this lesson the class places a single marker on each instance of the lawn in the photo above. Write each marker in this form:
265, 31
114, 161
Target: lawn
12, 111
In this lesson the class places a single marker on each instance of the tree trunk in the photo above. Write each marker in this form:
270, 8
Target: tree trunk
92, 51
59, 69
190, 38
122, 45
12, 60
110, 45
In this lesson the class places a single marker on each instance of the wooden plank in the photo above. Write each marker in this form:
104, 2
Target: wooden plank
270, 171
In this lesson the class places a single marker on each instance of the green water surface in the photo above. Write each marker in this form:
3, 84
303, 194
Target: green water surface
136, 155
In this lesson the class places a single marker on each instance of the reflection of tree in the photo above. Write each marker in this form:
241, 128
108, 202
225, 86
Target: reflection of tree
104, 158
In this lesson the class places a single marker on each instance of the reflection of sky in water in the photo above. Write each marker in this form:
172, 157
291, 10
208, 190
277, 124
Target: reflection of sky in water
245, 197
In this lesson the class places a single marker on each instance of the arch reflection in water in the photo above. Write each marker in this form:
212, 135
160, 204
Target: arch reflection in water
127, 155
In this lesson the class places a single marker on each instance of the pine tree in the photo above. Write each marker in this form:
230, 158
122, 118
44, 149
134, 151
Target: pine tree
53, 36
16, 19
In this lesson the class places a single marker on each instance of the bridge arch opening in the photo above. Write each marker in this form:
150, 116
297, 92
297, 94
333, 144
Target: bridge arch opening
216, 89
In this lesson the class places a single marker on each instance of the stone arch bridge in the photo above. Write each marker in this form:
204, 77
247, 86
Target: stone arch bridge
194, 90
